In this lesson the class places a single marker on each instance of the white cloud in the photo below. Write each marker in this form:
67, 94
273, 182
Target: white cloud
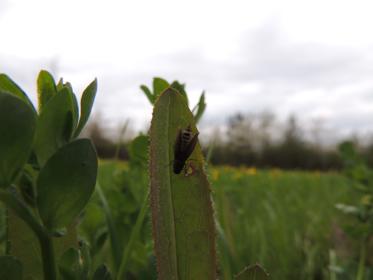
309, 58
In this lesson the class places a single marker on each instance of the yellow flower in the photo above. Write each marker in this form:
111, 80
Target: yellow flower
251, 171
215, 174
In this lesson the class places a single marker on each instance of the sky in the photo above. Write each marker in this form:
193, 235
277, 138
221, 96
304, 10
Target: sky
313, 59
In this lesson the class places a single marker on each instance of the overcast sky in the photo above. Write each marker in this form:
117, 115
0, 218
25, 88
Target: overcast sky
309, 58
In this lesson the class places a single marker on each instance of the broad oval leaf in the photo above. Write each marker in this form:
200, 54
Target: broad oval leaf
7, 85
46, 88
17, 126
66, 183
55, 125
86, 104
11, 268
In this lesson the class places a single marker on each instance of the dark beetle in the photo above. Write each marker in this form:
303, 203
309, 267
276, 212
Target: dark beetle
184, 146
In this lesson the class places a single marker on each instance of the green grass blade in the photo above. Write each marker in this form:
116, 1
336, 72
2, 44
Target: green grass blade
134, 234
114, 240
183, 224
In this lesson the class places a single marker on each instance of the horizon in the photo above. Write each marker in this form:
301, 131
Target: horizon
311, 60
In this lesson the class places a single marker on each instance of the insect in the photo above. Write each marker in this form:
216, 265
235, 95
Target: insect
184, 146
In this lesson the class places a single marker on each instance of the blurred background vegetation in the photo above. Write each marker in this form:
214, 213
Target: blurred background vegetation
250, 140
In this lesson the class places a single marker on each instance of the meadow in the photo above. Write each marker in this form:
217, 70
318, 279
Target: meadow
285, 220
72, 216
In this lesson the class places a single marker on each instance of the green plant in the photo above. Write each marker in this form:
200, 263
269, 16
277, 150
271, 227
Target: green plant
361, 177
183, 223
47, 176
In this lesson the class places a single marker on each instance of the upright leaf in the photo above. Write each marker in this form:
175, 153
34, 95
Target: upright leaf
181, 89
201, 106
46, 88
55, 125
159, 85
11, 268
182, 214
66, 183
17, 126
148, 94
7, 85
86, 104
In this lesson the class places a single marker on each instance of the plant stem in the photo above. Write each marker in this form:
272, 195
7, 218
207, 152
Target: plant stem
12, 201
361, 270
48, 257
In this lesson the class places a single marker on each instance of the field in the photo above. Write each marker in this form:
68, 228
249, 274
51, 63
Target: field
285, 220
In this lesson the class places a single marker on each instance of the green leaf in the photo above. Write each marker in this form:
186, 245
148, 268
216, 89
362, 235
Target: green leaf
11, 268
17, 128
138, 150
69, 265
66, 183
148, 94
133, 238
183, 223
8, 86
159, 85
201, 106
86, 104
254, 272
181, 89
46, 88
86, 259
113, 232
55, 125
102, 273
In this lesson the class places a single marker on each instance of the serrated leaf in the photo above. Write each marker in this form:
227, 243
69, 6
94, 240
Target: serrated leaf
7, 85
102, 273
10, 268
66, 183
201, 106
46, 88
254, 272
183, 224
17, 128
86, 104
55, 125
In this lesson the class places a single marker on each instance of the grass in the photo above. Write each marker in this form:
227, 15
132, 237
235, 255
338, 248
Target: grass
285, 220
